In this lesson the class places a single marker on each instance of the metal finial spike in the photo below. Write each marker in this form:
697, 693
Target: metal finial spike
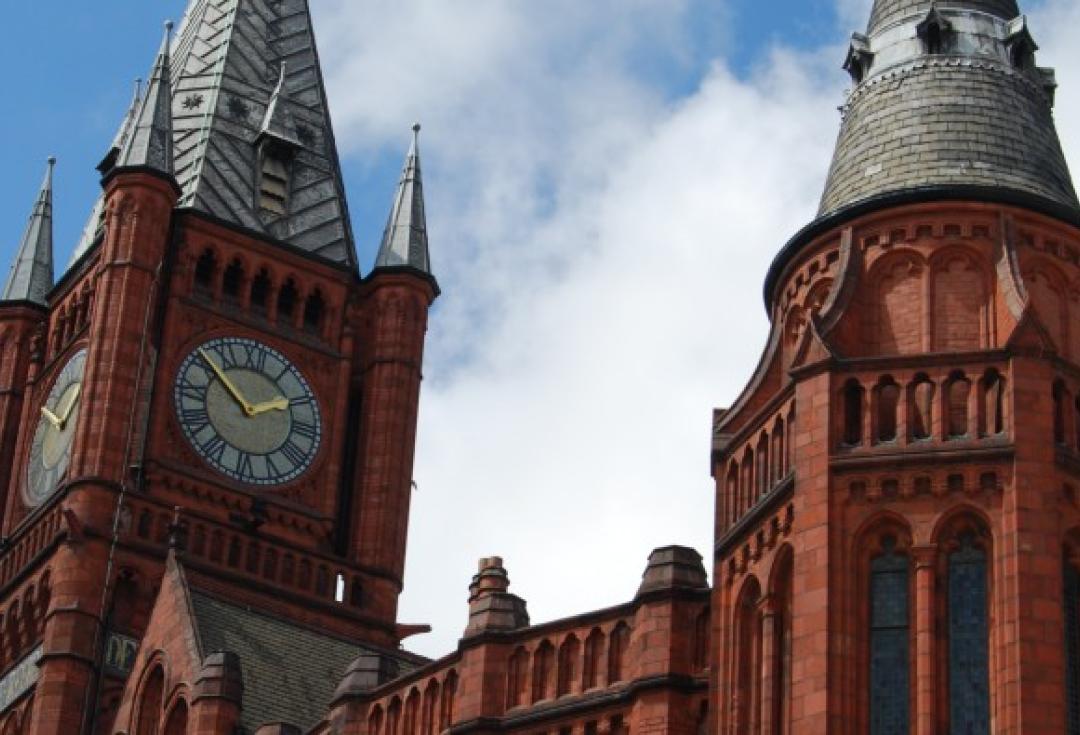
52, 161
168, 27
416, 128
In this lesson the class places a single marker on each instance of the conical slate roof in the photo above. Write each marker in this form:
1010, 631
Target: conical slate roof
405, 240
947, 95
31, 276
888, 12
148, 142
226, 67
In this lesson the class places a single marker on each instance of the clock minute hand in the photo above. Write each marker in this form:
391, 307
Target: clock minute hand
278, 404
233, 391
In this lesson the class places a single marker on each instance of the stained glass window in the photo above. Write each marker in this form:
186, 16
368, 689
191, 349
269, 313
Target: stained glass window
1072, 647
889, 657
969, 678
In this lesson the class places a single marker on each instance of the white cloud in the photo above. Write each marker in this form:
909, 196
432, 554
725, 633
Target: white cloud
601, 250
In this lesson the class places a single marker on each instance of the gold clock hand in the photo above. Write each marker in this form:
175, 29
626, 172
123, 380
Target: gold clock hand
71, 406
52, 418
278, 404
232, 389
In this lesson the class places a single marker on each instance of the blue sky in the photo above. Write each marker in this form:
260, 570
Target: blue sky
71, 74
607, 182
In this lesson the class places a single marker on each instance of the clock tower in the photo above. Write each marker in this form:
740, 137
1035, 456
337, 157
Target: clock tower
211, 386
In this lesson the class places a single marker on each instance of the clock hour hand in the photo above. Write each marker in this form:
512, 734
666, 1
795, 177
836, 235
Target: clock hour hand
278, 404
70, 406
52, 418
233, 391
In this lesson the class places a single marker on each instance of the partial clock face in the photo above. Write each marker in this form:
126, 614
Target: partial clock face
247, 411
50, 451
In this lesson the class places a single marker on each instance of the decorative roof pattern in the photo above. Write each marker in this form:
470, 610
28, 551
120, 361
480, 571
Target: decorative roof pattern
405, 240
888, 12
973, 112
148, 140
31, 276
290, 672
228, 60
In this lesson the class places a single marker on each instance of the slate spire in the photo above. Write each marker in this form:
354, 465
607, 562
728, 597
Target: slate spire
405, 240
123, 132
31, 276
149, 143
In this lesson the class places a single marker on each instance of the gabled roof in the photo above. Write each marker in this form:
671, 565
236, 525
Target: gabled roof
405, 239
31, 276
227, 65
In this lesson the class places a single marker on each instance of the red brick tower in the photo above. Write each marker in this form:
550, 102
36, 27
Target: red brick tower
207, 423
896, 514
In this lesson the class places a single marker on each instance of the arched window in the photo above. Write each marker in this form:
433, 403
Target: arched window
232, 282
968, 630
762, 474
178, 719
1072, 642
747, 701
992, 404
286, 303
205, 269
889, 641
731, 500
594, 649
516, 677
446, 707
393, 717
780, 695
150, 703
431, 709
1059, 396
375, 721
701, 641
778, 470
853, 413
887, 395
543, 668
617, 643
260, 293
957, 391
569, 654
313, 312
921, 408
746, 482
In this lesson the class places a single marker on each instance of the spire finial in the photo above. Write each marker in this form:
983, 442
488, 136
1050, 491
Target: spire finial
31, 276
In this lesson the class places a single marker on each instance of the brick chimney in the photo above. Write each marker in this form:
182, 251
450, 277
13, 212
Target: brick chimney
491, 606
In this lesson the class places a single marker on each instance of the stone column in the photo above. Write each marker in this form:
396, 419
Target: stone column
767, 609
925, 654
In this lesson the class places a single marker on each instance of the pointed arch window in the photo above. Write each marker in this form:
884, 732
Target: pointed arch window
260, 292
889, 641
150, 703
232, 283
853, 413
968, 630
1071, 600
205, 270
314, 308
286, 303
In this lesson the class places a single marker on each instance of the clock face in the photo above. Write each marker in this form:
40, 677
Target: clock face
247, 411
50, 451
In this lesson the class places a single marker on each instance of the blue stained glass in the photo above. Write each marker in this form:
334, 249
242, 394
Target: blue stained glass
969, 674
1072, 647
889, 641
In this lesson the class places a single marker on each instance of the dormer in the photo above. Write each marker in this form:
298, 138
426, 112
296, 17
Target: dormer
277, 145
859, 58
935, 32
1020, 44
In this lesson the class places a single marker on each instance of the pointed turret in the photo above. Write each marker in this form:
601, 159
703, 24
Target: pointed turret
150, 142
123, 133
31, 276
405, 240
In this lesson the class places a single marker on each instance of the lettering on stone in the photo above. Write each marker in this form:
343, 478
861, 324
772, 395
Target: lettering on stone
120, 653
19, 680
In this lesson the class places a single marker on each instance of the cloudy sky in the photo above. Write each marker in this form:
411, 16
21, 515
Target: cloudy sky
607, 183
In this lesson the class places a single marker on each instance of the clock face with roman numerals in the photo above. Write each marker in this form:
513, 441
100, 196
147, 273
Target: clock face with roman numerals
248, 411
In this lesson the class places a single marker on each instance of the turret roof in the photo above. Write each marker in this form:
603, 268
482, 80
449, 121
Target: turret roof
405, 240
887, 12
31, 276
148, 140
